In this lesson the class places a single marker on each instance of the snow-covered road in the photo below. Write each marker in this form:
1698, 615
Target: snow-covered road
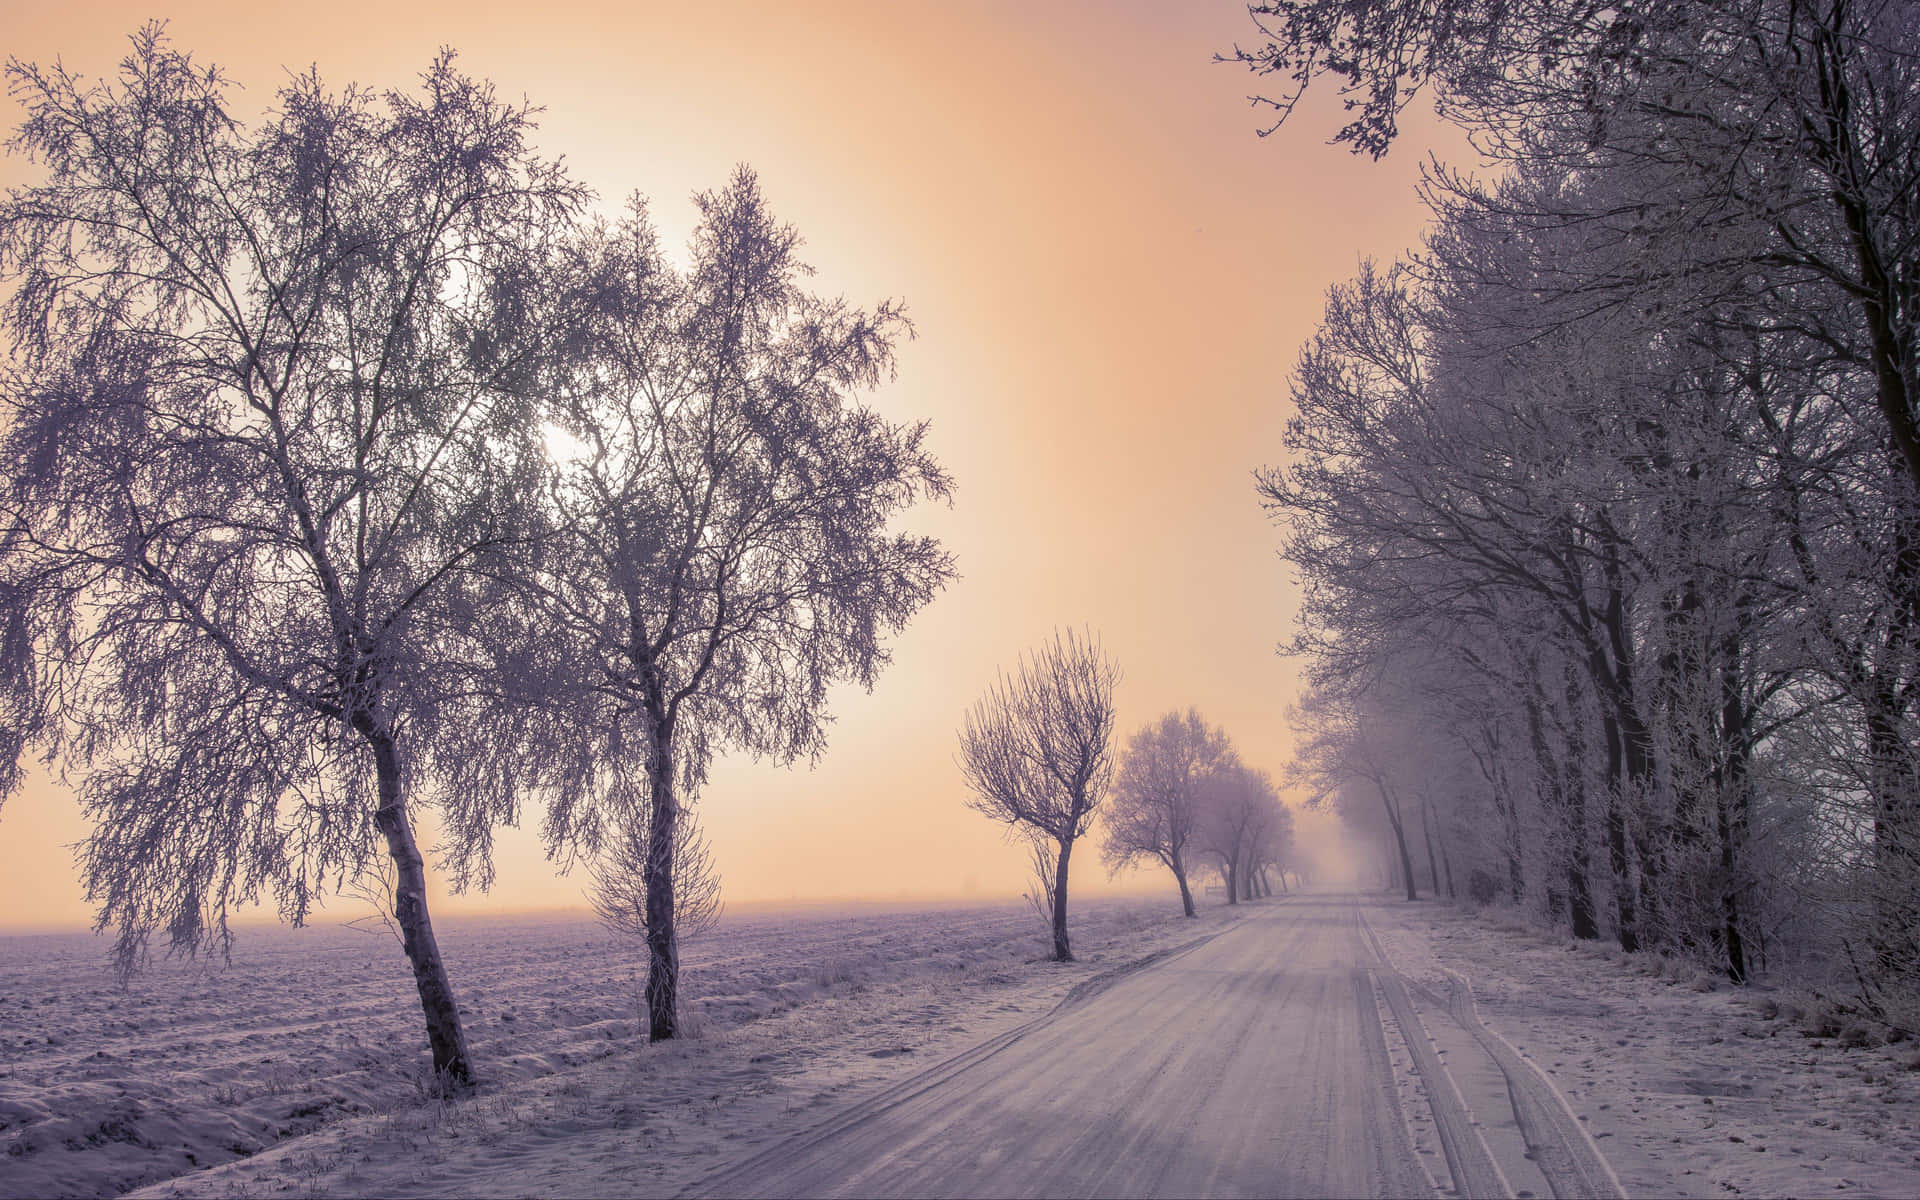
1260, 1062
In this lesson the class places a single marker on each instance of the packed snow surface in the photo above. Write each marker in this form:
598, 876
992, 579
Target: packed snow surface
1306, 1044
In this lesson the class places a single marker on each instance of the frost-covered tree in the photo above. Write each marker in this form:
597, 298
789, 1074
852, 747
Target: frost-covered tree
1037, 754
1575, 491
269, 400
1794, 119
1242, 825
1272, 846
1155, 811
1781, 134
721, 552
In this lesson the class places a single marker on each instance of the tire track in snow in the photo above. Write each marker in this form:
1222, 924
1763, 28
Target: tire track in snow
1561, 1146
1557, 1143
1475, 1173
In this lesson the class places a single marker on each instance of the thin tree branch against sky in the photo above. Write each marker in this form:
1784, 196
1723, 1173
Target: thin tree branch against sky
1108, 272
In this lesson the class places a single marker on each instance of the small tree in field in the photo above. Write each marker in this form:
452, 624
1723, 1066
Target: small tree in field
1037, 753
619, 889
1155, 809
267, 404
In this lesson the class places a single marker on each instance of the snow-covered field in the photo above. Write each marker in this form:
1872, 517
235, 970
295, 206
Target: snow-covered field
317, 1031
299, 1070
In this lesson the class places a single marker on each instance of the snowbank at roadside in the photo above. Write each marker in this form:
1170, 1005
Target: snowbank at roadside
1687, 1092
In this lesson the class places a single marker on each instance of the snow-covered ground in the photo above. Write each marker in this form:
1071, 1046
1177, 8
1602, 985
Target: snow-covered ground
1686, 1092
299, 1070
306, 1058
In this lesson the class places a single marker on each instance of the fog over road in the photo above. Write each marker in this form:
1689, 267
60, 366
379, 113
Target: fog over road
1254, 1063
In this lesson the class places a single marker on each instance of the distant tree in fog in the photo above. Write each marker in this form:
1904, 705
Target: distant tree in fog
1344, 757
721, 554
1241, 820
1155, 810
1037, 753
268, 401
1269, 845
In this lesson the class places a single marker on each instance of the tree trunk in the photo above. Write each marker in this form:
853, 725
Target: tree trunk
1617, 841
1652, 922
1630, 767
663, 951
1730, 893
1399, 842
1426, 831
1062, 952
1186, 893
1582, 918
1583, 922
1233, 878
444, 1033
1878, 291
1735, 799
1896, 865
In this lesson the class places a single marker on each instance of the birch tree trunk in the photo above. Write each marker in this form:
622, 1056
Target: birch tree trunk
444, 1033
663, 951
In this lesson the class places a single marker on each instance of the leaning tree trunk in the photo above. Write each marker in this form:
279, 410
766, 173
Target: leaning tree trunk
663, 821
1062, 952
444, 1034
1186, 893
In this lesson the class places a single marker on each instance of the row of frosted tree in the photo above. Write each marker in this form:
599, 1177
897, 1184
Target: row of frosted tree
1606, 504
1037, 753
357, 472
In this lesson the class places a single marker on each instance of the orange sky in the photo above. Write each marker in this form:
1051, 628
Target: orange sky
1111, 276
